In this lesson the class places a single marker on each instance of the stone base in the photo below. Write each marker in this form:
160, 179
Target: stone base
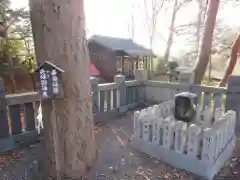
123, 109
6, 144
183, 161
27, 138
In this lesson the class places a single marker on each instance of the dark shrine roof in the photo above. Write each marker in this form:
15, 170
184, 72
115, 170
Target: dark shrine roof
119, 44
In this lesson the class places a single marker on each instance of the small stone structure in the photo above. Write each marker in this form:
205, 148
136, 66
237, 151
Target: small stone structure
201, 147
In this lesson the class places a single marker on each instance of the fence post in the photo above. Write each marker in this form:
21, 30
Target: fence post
233, 98
121, 93
6, 142
186, 77
94, 85
141, 75
29, 116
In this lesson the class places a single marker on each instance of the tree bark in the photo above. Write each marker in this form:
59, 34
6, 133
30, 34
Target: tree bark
232, 61
206, 45
11, 73
59, 37
171, 32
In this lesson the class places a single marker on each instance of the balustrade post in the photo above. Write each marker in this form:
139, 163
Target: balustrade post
186, 77
233, 98
29, 116
121, 93
95, 99
6, 142
141, 75
15, 116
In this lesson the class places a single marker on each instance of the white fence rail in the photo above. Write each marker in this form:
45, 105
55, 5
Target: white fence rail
203, 146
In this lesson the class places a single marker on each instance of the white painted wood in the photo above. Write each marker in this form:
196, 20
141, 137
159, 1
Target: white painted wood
142, 116
219, 125
159, 94
225, 131
107, 86
216, 145
232, 116
199, 115
193, 143
155, 121
111, 99
118, 97
99, 100
218, 113
228, 128
105, 101
146, 128
217, 100
180, 130
208, 146
184, 162
207, 117
207, 99
160, 131
137, 130
168, 126
160, 110
154, 110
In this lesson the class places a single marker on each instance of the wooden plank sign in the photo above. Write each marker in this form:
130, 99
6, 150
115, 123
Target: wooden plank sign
49, 81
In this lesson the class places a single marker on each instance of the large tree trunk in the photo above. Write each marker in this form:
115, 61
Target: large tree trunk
171, 32
59, 37
206, 45
232, 61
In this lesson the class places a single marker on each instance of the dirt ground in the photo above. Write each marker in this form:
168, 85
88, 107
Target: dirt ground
118, 159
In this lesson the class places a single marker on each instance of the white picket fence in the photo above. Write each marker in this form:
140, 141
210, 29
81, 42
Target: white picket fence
201, 147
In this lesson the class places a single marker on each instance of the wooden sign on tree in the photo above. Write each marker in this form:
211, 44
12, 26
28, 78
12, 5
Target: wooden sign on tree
49, 81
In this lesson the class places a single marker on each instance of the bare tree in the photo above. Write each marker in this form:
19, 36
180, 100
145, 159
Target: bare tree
202, 7
131, 24
152, 10
176, 7
171, 31
232, 61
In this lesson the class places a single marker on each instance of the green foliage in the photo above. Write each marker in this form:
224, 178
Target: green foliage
14, 43
172, 65
159, 65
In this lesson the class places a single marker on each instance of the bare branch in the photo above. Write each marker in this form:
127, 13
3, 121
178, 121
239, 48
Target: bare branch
186, 25
5, 25
159, 7
184, 2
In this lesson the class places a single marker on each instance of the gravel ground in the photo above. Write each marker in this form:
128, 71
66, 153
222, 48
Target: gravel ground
118, 160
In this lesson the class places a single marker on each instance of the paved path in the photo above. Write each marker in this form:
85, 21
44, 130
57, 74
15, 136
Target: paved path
118, 160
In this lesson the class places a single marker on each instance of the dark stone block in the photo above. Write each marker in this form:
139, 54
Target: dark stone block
14, 112
6, 144
29, 116
27, 138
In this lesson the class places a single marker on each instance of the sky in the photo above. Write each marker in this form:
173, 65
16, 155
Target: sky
112, 18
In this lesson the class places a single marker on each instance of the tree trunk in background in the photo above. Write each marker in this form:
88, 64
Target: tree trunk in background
11, 73
231, 62
59, 37
171, 32
202, 6
199, 23
206, 45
